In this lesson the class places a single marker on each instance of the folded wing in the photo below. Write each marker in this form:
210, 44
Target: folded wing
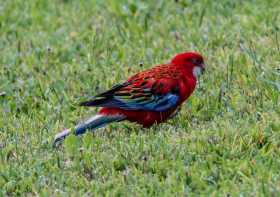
140, 95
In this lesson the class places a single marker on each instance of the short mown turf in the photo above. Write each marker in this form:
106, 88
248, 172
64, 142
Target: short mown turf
225, 141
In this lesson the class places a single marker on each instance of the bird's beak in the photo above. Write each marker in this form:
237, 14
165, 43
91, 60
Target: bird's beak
202, 67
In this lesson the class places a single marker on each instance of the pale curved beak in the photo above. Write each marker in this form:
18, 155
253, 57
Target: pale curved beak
202, 65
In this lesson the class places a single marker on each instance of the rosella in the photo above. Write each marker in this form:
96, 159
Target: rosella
149, 97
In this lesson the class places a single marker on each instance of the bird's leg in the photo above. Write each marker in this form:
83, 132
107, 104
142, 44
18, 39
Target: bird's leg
175, 112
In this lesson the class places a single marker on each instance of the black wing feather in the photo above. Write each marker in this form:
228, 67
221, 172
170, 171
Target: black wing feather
103, 97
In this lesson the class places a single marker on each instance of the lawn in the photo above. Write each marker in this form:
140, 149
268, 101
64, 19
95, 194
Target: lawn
224, 142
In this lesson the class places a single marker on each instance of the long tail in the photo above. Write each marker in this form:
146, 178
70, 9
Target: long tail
92, 123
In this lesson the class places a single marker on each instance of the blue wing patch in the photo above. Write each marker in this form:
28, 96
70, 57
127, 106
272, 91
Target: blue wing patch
134, 98
156, 103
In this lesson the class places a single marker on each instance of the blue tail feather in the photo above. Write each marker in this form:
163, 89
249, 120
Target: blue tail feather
92, 123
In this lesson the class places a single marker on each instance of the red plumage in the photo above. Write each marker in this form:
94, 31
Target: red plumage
149, 97
176, 75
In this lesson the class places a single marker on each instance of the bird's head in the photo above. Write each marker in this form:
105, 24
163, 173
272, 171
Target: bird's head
192, 61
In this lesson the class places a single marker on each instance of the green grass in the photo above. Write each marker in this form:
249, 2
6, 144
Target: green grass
225, 141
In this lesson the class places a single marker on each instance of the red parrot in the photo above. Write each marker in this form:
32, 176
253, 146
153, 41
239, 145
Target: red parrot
149, 97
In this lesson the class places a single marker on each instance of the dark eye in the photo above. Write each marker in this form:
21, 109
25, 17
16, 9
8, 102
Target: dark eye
195, 61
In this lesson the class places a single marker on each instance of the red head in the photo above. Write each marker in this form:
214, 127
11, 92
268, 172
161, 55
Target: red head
192, 61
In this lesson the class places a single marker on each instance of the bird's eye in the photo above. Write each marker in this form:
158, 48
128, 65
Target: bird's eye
194, 61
